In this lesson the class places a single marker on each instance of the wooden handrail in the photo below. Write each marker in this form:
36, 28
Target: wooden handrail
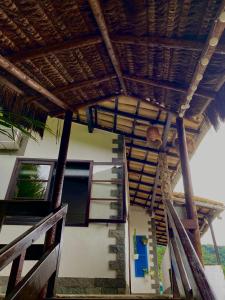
45, 270
20, 244
198, 273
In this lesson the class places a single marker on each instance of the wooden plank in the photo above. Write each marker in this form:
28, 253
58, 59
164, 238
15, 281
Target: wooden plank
163, 42
15, 248
16, 272
168, 86
25, 208
99, 17
54, 49
192, 257
76, 86
208, 50
19, 74
214, 243
189, 224
188, 189
30, 286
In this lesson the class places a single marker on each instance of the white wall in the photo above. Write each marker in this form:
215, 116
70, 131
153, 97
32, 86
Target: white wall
216, 279
85, 249
138, 220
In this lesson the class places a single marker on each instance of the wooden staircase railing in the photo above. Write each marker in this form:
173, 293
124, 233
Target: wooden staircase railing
42, 275
186, 266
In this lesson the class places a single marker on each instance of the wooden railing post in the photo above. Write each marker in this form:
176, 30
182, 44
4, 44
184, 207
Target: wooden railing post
188, 189
214, 243
57, 189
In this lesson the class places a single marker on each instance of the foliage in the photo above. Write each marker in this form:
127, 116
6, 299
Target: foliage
10, 120
208, 256
29, 184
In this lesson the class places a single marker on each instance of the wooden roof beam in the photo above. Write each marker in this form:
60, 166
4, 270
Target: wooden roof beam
168, 86
58, 47
206, 55
99, 17
167, 43
78, 85
16, 72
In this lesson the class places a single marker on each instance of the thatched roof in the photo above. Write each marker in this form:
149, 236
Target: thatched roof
130, 61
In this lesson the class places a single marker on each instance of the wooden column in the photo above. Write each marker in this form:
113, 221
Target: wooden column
51, 236
188, 189
61, 163
214, 243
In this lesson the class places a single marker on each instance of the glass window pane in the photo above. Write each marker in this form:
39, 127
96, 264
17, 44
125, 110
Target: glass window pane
34, 171
106, 190
30, 189
107, 172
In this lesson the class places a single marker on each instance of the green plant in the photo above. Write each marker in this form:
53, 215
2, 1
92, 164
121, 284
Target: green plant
135, 242
10, 120
144, 240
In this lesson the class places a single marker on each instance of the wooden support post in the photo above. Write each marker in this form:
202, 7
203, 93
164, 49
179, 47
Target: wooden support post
58, 186
214, 243
90, 122
188, 189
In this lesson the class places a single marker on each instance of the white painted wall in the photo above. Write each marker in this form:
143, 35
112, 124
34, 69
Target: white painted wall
216, 279
138, 219
85, 249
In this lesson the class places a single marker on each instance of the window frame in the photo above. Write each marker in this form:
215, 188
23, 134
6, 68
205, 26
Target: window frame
52, 163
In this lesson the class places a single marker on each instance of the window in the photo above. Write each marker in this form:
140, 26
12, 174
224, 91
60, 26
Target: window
34, 180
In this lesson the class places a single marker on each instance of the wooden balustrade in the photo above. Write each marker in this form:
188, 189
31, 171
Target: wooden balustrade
180, 239
32, 284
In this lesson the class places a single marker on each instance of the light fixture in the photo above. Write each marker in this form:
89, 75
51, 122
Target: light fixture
222, 17
199, 77
204, 61
213, 41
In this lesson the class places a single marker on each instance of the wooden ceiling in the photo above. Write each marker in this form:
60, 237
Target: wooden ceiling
120, 66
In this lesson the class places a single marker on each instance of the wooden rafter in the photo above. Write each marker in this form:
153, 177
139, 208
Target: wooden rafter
167, 43
78, 85
52, 49
16, 72
99, 17
168, 86
206, 55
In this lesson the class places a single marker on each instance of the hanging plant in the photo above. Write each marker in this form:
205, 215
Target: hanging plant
153, 136
144, 240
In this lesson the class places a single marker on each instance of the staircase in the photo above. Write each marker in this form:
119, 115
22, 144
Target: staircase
114, 297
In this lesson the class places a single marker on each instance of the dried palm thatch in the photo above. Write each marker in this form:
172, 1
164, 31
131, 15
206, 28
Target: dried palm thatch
14, 113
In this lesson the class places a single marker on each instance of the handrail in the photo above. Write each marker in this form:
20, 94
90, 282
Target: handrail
12, 250
198, 273
45, 269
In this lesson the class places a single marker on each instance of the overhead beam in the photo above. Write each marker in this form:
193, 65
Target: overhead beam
16, 72
153, 150
126, 134
99, 17
149, 163
141, 118
168, 86
76, 86
54, 49
163, 42
209, 49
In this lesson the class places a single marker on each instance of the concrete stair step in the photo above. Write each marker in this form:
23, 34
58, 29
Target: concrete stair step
114, 297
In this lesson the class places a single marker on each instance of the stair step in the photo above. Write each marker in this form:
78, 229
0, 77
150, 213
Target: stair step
114, 297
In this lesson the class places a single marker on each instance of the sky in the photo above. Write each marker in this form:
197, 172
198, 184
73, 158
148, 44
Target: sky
208, 177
